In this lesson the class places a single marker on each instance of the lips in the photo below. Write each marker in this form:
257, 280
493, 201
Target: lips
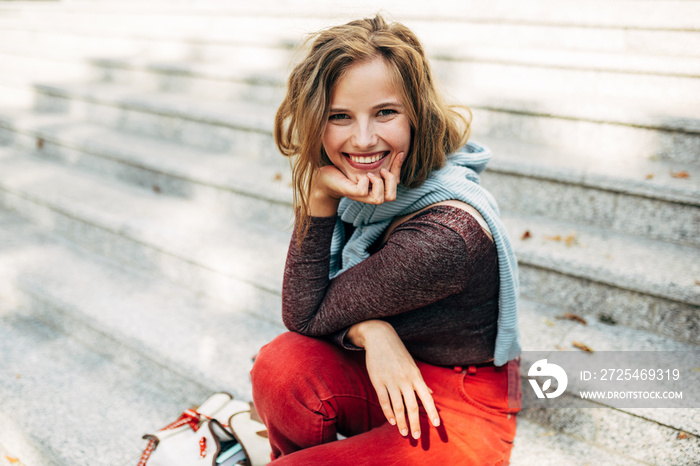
366, 161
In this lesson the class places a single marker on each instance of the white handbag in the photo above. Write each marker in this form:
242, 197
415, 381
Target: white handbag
221, 432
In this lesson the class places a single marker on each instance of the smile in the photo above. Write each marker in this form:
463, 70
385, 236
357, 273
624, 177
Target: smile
367, 158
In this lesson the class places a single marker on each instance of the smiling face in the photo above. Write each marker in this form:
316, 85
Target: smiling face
367, 125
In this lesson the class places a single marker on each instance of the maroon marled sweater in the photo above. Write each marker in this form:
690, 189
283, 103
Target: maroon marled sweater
435, 280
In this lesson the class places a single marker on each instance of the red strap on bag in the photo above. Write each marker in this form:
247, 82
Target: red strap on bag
191, 418
203, 447
147, 452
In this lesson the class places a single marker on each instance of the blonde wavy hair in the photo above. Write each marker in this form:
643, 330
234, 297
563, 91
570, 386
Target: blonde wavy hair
437, 129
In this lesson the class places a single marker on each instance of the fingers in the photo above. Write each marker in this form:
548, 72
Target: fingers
390, 182
362, 187
400, 407
396, 165
426, 399
392, 177
369, 188
383, 187
413, 414
399, 413
385, 404
377, 193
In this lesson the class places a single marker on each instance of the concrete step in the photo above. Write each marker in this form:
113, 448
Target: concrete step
598, 273
155, 232
670, 436
55, 281
535, 444
475, 68
259, 36
639, 197
642, 283
15, 95
235, 184
62, 404
620, 195
219, 126
657, 14
467, 74
271, 29
622, 128
20, 67
177, 336
243, 80
648, 443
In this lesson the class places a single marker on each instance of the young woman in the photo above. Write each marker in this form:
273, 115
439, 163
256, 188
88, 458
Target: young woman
400, 288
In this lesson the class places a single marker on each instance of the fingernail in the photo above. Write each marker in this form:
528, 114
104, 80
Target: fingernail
416, 435
392, 422
436, 421
404, 432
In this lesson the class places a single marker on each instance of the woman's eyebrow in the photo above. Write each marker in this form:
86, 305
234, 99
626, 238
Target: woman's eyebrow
392, 103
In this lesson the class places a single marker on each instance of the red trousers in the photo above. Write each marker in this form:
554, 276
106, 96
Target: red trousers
307, 390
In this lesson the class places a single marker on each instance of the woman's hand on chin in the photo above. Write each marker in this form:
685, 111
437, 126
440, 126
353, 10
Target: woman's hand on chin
394, 375
331, 184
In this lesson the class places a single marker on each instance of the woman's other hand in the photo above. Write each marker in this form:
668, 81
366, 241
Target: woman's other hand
331, 184
394, 375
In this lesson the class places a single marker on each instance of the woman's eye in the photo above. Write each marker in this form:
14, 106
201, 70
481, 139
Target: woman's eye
386, 112
338, 116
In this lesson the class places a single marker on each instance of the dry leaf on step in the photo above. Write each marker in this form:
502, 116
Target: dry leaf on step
682, 435
582, 346
681, 174
574, 317
527, 235
278, 177
649, 176
571, 240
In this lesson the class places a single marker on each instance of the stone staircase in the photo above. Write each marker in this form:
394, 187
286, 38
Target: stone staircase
145, 212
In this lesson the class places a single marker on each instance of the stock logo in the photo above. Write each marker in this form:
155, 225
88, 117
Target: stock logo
543, 368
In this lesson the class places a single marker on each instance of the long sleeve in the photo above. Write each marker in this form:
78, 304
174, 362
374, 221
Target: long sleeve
423, 261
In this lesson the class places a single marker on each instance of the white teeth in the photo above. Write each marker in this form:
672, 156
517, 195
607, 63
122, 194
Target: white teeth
372, 159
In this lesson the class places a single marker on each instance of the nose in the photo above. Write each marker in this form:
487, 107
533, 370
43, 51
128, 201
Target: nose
364, 136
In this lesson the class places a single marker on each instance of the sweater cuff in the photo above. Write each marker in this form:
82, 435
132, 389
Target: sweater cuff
339, 339
319, 232
317, 221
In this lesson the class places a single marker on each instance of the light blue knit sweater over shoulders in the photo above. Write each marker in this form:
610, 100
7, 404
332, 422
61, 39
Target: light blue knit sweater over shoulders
458, 179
